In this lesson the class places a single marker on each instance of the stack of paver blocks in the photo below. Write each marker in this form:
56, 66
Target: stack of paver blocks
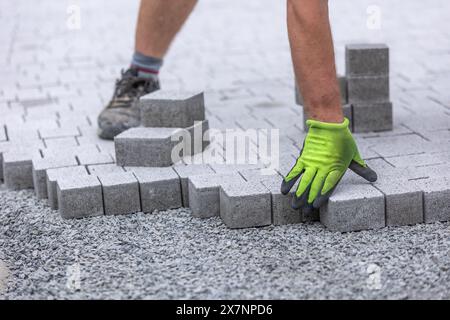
142, 179
364, 88
172, 122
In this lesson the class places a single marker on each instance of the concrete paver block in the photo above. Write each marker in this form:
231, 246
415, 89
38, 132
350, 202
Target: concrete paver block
366, 59
203, 194
25, 146
311, 215
436, 198
101, 169
368, 89
282, 212
199, 139
4, 147
79, 197
90, 158
372, 117
160, 188
63, 132
407, 144
120, 193
52, 176
61, 142
184, 172
3, 136
223, 168
245, 205
354, 208
17, 169
404, 203
172, 109
41, 165
423, 159
145, 147
69, 150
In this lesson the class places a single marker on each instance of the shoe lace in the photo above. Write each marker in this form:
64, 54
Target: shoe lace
130, 87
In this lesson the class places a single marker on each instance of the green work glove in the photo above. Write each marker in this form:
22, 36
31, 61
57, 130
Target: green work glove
328, 150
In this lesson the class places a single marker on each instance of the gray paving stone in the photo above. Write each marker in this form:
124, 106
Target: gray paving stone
399, 145
90, 158
404, 203
204, 200
145, 147
3, 136
46, 133
19, 134
120, 193
260, 175
186, 171
4, 147
41, 165
172, 109
436, 195
75, 151
102, 169
52, 175
282, 212
199, 138
431, 171
366, 59
79, 197
354, 208
368, 89
223, 168
17, 169
61, 142
424, 159
369, 117
160, 188
311, 215
245, 205
26, 146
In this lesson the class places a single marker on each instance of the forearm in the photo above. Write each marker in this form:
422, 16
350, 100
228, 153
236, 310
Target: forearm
313, 58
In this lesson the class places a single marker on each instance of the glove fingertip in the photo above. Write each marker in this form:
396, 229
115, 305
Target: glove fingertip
364, 172
286, 186
320, 200
371, 175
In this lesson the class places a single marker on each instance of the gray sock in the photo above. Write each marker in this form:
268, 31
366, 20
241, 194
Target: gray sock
148, 67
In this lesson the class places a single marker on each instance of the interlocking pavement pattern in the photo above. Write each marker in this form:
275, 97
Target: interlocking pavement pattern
59, 61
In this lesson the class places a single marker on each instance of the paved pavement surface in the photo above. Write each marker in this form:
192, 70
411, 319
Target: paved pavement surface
58, 73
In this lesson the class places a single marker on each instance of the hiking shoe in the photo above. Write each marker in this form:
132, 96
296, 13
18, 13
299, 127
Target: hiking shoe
123, 112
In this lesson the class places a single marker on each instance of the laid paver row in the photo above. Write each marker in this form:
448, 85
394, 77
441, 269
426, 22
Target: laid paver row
256, 201
405, 196
421, 197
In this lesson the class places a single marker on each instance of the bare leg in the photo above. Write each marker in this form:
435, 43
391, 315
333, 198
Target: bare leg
158, 23
313, 57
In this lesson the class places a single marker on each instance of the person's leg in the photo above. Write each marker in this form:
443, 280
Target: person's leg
158, 23
313, 57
